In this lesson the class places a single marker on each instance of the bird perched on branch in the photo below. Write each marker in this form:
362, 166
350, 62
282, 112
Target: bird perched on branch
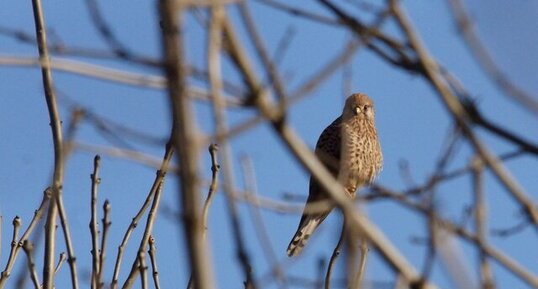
350, 149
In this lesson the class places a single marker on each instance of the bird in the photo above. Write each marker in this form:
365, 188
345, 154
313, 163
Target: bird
349, 148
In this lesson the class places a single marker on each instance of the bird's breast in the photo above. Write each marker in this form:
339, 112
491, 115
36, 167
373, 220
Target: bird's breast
361, 157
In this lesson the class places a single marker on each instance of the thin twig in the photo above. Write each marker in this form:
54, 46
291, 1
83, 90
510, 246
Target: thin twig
137, 266
215, 167
368, 34
131, 155
259, 226
107, 34
120, 76
59, 48
13, 252
505, 232
29, 250
220, 23
61, 261
153, 258
90, 70
283, 45
275, 79
480, 214
432, 239
96, 180
154, 188
334, 256
301, 13
71, 259
102, 252
477, 117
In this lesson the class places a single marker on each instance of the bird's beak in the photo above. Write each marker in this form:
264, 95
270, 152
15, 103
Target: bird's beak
357, 110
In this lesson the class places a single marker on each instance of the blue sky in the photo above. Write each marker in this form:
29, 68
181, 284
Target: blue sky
411, 121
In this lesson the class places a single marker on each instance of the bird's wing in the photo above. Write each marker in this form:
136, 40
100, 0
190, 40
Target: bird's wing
328, 151
328, 146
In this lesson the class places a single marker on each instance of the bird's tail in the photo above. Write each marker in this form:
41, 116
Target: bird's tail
306, 227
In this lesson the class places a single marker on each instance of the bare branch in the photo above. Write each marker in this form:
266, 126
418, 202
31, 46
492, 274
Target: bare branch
218, 24
55, 122
15, 246
185, 140
151, 196
259, 226
215, 167
143, 269
96, 180
29, 250
504, 260
152, 255
480, 214
139, 264
61, 261
460, 116
313, 165
106, 228
334, 256
486, 61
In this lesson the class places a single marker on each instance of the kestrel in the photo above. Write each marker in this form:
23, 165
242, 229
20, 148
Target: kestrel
350, 149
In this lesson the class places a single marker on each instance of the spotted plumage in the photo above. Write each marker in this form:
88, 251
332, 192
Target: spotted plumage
350, 149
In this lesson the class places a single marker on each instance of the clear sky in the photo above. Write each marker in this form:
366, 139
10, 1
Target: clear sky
411, 121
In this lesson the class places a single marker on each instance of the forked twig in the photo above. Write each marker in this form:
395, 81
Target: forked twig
29, 250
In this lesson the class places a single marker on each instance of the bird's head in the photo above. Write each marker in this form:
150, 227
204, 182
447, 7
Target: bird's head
359, 106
